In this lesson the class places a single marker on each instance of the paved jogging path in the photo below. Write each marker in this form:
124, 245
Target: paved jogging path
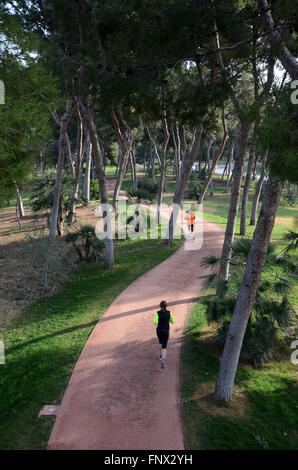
118, 397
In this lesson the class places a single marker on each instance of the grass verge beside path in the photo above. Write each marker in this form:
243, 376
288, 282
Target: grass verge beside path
263, 411
42, 349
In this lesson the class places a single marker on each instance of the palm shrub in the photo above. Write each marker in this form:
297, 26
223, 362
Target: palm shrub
85, 242
292, 238
42, 196
202, 175
146, 191
272, 312
94, 190
289, 194
193, 190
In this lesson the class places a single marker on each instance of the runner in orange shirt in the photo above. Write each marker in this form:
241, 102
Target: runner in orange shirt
190, 220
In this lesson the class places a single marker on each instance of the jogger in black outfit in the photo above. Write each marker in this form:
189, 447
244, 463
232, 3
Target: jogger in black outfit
162, 319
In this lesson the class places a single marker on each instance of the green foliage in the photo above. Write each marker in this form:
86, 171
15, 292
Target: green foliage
43, 194
219, 308
94, 190
278, 133
269, 319
24, 118
291, 237
203, 174
85, 242
289, 194
193, 190
146, 191
262, 413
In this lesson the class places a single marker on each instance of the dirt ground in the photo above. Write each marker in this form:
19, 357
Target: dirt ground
21, 269
21, 253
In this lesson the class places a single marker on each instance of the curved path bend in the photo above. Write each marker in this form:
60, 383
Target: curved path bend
118, 397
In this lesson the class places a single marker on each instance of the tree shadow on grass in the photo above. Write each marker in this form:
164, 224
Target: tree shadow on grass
261, 414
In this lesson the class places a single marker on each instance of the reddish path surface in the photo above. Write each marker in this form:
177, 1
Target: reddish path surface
118, 396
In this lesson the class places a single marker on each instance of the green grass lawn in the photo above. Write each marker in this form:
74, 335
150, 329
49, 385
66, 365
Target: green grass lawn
43, 347
264, 409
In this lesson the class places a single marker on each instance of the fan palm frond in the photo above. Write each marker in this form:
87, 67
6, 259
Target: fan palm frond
210, 261
292, 238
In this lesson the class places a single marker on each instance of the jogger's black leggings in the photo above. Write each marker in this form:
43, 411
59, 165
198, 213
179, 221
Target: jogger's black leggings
163, 336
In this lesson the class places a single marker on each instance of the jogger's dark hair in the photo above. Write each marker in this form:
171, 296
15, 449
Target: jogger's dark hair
163, 304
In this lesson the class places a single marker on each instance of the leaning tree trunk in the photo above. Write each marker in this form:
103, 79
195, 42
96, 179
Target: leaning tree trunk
234, 202
104, 198
287, 59
214, 163
68, 147
152, 159
121, 171
126, 142
208, 162
185, 172
133, 170
41, 164
20, 204
75, 190
247, 292
225, 170
161, 183
250, 163
258, 190
229, 166
86, 184
177, 151
254, 170
57, 190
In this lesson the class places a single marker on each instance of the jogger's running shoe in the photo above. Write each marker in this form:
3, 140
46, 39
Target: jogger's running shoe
162, 363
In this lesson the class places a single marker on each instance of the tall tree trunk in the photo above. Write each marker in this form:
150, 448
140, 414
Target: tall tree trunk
20, 204
133, 170
86, 184
118, 160
161, 185
247, 292
57, 190
214, 163
152, 159
234, 202
231, 154
126, 142
41, 163
121, 173
250, 162
101, 176
287, 59
75, 191
209, 168
145, 161
68, 147
185, 172
258, 190
177, 151
254, 170
225, 170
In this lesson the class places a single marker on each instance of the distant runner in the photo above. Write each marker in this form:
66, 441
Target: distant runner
162, 319
190, 220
